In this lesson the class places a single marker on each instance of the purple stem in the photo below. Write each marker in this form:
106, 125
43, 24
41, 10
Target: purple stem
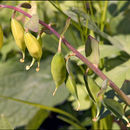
78, 54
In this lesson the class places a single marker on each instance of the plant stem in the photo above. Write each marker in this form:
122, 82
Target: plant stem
77, 54
71, 122
104, 16
43, 107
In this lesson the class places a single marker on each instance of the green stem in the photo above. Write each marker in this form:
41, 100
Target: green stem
104, 16
91, 9
71, 123
43, 107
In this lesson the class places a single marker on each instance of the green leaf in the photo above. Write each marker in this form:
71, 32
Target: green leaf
120, 23
74, 12
92, 50
118, 75
16, 82
114, 106
104, 52
115, 126
38, 119
106, 49
91, 87
4, 123
41, 106
83, 98
126, 87
124, 41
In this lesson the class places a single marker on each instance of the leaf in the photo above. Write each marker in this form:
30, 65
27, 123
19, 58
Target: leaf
91, 87
118, 75
104, 52
16, 82
41, 106
71, 86
72, 12
4, 123
115, 126
33, 23
106, 49
124, 41
114, 106
38, 119
83, 98
120, 24
92, 50
71, 81
126, 87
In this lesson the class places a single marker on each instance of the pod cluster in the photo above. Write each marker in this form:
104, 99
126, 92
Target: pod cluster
25, 40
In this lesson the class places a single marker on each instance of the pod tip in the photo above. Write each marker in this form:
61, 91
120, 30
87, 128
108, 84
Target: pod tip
37, 69
78, 107
94, 119
27, 67
128, 125
21, 60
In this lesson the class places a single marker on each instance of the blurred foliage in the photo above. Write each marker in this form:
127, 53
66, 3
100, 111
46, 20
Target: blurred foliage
114, 48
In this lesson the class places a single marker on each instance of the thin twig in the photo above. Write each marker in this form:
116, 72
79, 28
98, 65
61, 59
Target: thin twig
77, 54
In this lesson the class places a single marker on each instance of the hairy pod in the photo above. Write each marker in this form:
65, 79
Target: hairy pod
1, 37
18, 33
33, 46
58, 69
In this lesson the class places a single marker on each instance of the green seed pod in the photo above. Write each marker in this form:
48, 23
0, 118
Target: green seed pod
34, 49
58, 69
18, 33
1, 37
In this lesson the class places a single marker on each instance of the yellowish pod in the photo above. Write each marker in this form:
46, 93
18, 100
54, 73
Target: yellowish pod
33, 46
18, 33
1, 37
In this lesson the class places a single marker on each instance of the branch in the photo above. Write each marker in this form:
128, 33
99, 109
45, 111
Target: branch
77, 54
